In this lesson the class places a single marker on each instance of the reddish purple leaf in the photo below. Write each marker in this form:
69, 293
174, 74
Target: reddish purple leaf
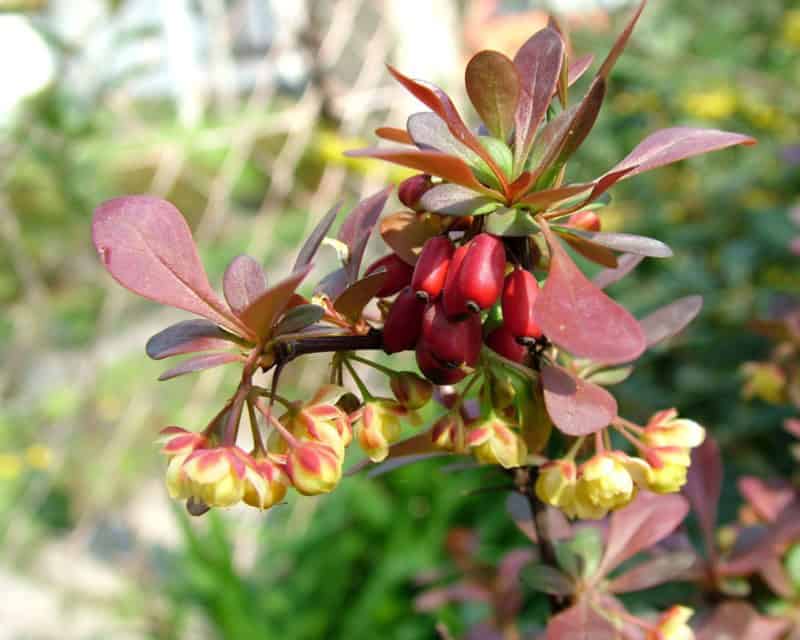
493, 88
619, 45
626, 263
588, 249
582, 621
438, 102
262, 313
201, 363
298, 318
625, 242
315, 238
189, 336
519, 509
741, 620
394, 135
578, 68
546, 197
351, 301
146, 246
448, 167
406, 232
677, 143
243, 282
538, 64
578, 316
650, 573
767, 497
430, 133
671, 319
453, 200
577, 407
363, 217
643, 523
703, 487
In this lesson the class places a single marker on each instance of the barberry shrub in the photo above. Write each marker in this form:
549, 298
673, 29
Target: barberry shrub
515, 345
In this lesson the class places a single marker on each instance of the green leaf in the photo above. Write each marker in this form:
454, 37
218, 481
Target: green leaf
511, 223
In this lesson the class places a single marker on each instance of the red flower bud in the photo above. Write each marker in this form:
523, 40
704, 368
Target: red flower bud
403, 323
411, 189
398, 274
432, 266
453, 301
480, 276
451, 341
519, 295
586, 220
502, 341
435, 371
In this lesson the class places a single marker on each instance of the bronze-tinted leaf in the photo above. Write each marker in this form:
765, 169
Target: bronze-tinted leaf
315, 238
146, 246
538, 64
741, 620
493, 88
200, 363
298, 318
670, 319
625, 242
577, 407
394, 135
262, 313
581, 621
619, 44
362, 218
546, 197
578, 316
352, 300
703, 488
454, 200
243, 282
439, 102
677, 143
578, 68
650, 573
405, 232
640, 525
590, 250
439, 164
189, 336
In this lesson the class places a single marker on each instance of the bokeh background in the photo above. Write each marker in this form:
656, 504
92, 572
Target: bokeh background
238, 111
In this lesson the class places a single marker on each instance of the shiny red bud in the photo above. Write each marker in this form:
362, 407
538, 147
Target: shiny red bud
410, 190
502, 341
586, 220
403, 325
431, 269
451, 341
454, 303
519, 295
434, 370
480, 278
398, 274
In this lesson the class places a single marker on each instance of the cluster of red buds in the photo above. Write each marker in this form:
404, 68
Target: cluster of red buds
479, 283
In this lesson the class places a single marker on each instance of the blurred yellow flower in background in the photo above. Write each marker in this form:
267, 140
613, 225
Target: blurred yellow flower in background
39, 456
716, 104
791, 28
10, 466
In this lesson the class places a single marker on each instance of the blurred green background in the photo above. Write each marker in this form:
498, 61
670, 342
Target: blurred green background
237, 111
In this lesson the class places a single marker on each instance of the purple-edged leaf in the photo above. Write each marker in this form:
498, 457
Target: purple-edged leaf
146, 246
200, 363
267, 308
678, 143
439, 102
243, 282
703, 487
405, 232
578, 68
445, 166
643, 523
493, 88
619, 44
598, 188
333, 284
298, 318
352, 301
362, 218
741, 620
582, 621
538, 64
315, 238
430, 133
767, 497
394, 134
575, 406
650, 573
189, 336
590, 250
546, 197
453, 200
671, 319
578, 316
625, 242
626, 263
519, 509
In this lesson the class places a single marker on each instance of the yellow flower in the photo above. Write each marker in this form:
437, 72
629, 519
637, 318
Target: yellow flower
764, 380
556, 485
39, 456
605, 483
378, 426
715, 104
10, 465
668, 469
313, 467
493, 441
412, 391
219, 476
665, 429
672, 625
448, 432
267, 487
